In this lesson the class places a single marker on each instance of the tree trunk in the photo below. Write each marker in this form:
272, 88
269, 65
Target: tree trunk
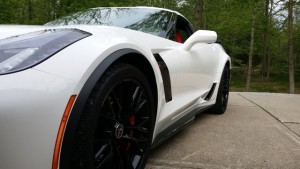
269, 64
290, 47
268, 37
198, 9
264, 60
204, 20
54, 9
29, 10
250, 54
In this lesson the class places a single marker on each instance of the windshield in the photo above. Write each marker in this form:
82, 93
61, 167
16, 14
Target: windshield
153, 21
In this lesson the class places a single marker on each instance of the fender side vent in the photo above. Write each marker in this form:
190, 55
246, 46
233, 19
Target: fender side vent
211, 91
165, 77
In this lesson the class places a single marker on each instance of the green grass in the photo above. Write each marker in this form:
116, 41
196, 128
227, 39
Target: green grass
278, 81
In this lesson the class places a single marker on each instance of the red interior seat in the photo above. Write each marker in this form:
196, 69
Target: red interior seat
178, 37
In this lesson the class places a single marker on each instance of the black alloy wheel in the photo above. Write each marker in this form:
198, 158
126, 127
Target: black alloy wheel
223, 93
116, 129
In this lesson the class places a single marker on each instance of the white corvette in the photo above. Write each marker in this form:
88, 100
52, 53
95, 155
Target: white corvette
100, 88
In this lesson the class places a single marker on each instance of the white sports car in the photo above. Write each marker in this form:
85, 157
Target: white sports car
100, 88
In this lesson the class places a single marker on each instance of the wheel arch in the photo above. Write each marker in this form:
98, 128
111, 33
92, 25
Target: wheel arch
228, 63
140, 62
129, 56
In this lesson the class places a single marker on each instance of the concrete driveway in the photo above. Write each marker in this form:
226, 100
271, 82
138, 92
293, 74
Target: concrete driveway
258, 130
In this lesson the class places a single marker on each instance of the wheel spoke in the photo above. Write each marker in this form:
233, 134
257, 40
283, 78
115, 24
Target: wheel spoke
104, 157
135, 140
133, 154
136, 98
141, 105
140, 127
112, 106
105, 113
125, 159
117, 95
137, 152
107, 110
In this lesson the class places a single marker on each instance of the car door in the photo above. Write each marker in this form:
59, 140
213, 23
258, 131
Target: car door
191, 72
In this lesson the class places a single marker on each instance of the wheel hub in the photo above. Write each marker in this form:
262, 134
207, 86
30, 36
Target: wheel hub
119, 130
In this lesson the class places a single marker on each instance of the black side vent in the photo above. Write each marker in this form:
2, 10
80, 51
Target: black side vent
211, 91
165, 77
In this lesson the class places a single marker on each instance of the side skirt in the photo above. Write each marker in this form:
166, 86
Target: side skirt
177, 126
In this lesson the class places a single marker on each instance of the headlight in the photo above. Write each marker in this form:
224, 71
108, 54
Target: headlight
25, 51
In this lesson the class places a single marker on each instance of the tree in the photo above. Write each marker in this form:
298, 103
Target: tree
276, 29
198, 9
290, 46
265, 61
250, 53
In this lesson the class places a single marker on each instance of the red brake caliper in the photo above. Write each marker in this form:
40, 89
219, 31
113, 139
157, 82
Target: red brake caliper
131, 122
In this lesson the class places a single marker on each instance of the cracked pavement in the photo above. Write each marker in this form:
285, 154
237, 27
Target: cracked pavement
258, 130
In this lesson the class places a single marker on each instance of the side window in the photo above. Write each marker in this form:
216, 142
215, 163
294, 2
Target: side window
170, 33
183, 30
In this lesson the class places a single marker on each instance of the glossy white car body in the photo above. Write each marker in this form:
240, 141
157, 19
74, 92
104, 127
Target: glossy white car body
33, 100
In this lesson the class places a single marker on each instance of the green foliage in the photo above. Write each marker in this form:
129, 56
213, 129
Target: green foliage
277, 83
231, 19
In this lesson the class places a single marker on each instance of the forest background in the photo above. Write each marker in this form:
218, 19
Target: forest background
261, 36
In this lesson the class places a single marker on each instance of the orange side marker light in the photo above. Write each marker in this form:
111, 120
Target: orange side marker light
61, 132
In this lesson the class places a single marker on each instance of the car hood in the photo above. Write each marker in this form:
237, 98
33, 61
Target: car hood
104, 40
136, 37
15, 30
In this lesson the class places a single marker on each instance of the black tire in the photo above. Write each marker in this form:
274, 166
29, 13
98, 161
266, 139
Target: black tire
223, 93
115, 130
